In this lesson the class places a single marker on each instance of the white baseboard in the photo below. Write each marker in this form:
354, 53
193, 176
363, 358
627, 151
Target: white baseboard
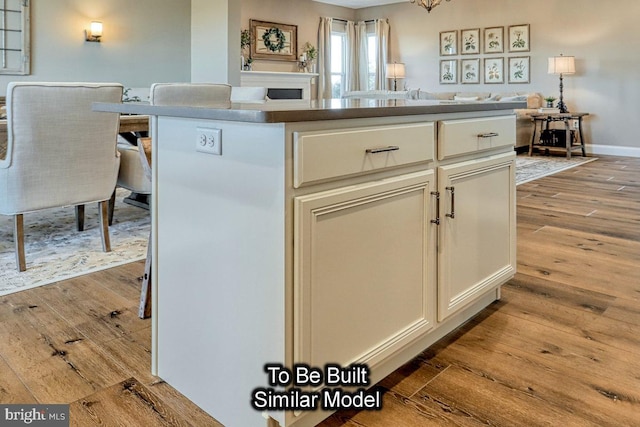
613, 150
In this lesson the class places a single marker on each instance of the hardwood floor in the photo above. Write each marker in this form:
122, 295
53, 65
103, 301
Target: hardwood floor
561, 348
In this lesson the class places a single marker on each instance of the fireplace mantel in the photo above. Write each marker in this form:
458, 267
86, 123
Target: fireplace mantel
279, 80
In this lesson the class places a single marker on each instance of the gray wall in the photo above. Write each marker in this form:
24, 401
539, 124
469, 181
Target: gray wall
144, 41
303, 13
147, 41
602, 37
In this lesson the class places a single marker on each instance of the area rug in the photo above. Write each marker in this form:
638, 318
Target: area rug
55, 250
535, 167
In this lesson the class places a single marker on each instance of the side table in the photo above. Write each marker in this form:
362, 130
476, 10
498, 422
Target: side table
545, 118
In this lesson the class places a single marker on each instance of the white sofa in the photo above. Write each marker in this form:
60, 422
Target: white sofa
524, 126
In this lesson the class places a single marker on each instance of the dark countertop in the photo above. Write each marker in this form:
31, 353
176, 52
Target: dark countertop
302, 111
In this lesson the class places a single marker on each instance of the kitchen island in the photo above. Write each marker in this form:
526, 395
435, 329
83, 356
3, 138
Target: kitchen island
344, 235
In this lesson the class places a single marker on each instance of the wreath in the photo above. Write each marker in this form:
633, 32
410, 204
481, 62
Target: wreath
276, 46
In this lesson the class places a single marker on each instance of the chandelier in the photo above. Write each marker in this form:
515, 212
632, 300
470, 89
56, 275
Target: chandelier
427, 4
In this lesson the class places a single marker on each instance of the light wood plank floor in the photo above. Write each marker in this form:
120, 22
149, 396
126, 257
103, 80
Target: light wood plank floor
562, 347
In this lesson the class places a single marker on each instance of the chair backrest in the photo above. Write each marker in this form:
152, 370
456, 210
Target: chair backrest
59, 151
191, 94
144, 150
255, 94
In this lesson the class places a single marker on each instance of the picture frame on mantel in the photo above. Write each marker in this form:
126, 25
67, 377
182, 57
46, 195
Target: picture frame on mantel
273, 41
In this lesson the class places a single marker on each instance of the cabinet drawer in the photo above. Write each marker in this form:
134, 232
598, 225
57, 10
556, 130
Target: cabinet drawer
457, 137
323, 155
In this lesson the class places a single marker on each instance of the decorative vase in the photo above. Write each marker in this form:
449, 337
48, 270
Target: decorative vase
549, 104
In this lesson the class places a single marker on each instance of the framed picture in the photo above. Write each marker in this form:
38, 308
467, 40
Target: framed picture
449, 71
519, 38
470, 41
270, 40
494, 70
494, 40
519, 69
470, 70
448, 43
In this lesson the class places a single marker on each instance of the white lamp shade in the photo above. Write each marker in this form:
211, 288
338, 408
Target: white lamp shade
562, 65
96, 28
395, 71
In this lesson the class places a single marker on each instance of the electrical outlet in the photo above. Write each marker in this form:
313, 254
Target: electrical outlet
575, 124
209, 141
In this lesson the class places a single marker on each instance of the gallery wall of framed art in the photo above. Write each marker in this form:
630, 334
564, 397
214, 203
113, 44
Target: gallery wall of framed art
490, 55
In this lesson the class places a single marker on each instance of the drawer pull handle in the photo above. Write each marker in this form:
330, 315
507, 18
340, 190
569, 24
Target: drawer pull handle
452, 215
382, 149
436, 194
487, 135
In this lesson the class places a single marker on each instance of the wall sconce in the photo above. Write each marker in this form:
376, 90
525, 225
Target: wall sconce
94, 33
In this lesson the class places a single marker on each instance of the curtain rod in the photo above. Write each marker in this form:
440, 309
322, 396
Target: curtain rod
368, 21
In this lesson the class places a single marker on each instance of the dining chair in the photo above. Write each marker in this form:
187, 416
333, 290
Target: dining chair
131, 176
191, 94
174, 94
144, 158
59, 152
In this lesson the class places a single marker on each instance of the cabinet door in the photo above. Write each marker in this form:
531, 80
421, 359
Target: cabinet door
364, 270
476, 247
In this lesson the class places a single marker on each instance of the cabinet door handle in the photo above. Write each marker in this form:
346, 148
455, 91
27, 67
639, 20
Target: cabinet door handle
437, 220
487, 135
382, 149
452, 215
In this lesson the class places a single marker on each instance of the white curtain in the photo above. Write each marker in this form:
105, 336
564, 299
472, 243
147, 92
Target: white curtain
357, 56
382, 30
324, 58
352, 55
363, 48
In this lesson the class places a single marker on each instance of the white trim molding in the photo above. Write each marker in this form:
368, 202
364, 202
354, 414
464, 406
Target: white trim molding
613, 150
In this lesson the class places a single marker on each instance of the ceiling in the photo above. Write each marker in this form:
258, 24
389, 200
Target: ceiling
357, 4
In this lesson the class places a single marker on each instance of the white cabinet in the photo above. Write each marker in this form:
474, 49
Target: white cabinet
364, 270
329, 155
470, 136
476, 250
318, 242
387, 262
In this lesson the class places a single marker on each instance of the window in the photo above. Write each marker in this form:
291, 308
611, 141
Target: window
14, 37
372, 57
338, 62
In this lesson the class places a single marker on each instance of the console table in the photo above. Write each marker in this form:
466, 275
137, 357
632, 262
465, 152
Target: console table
546, 118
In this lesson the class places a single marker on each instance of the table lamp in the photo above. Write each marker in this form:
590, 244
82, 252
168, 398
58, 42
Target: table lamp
562, 65
395, 71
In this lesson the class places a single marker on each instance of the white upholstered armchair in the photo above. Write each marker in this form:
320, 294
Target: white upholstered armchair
59, 151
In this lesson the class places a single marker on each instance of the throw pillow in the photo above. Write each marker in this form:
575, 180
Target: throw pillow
465, 98
513, 98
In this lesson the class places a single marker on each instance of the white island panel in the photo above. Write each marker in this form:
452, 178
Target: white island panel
220, 263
